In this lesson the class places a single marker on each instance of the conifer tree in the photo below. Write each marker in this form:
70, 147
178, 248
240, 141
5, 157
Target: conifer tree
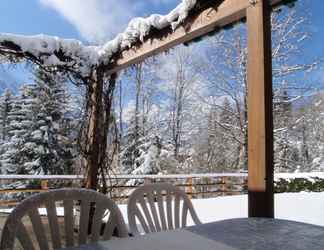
19, 151
39, 129
5, 107
54, 124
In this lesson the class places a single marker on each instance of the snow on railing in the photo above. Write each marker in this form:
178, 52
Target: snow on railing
195, 185
169, 176
120, 176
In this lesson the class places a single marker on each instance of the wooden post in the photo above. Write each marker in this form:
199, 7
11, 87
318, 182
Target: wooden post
147, 181
260, 121
223, 185
92, 155
189, 187
44, 184
206, 188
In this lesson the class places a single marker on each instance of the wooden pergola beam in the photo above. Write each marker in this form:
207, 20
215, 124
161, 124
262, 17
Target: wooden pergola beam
221, 13
260, 121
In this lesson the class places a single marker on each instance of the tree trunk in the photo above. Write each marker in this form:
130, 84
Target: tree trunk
137, 99
104, 161
95, 116
243, 157
120, 112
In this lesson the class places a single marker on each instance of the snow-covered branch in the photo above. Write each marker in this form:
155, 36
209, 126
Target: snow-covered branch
72, 55
49, 51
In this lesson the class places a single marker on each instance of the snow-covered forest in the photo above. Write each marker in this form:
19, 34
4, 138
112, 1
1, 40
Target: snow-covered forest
185, 111
179, 112
38, 128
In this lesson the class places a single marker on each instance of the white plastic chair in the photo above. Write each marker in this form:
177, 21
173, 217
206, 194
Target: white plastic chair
159, 207
88, 200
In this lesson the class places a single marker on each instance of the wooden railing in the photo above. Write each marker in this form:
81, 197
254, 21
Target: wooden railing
195, 185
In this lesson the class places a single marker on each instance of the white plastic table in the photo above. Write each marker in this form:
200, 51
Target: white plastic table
234, 234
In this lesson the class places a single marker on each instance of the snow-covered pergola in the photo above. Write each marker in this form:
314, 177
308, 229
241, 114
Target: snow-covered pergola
146, 37
210, 16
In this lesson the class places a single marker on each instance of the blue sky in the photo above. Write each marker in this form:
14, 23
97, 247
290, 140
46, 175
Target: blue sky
316, 25
95, 21
33, 18
92, 21
69, 19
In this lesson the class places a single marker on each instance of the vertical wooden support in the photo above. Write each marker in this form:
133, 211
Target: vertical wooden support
44, 184
223, 186
147, 181
206, 189
189, 187
260, 121
95, 116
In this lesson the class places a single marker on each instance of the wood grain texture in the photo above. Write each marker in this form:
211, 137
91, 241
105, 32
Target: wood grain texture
220, 14
260, 121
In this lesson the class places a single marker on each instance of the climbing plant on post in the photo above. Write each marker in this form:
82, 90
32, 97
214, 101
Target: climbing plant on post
145, 37
95, 117
90, 66
99, 114
81, 65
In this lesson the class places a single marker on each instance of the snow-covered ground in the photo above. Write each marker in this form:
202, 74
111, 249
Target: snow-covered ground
303, 207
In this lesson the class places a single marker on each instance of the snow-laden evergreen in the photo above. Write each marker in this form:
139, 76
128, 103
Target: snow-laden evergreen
39, 130
5, 107
185, 111
54, 124
18, 149
140, 150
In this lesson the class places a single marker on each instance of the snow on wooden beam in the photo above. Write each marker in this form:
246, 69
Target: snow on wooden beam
196, 26
213, 18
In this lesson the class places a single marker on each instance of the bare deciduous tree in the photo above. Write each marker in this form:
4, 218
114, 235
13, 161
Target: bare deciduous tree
226, 62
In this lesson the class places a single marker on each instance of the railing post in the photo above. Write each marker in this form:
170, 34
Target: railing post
223, 185
147, 181
44, 184
189, 187
205, 188
244, 185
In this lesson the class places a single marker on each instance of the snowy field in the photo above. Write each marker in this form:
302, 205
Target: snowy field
303, 207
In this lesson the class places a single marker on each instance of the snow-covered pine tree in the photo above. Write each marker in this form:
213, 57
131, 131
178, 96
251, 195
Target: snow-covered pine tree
5, 107
53, 125
133, 149
19, 152
139, 149
39, 130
